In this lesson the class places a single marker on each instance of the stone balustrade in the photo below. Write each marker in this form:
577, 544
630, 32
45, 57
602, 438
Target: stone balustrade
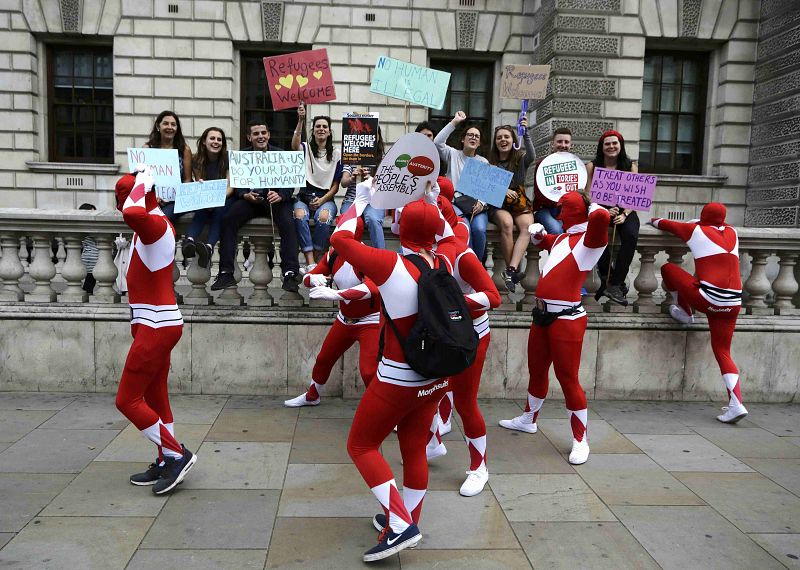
30, 234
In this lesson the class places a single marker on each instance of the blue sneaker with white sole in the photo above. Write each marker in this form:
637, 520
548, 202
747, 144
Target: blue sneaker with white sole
390, 542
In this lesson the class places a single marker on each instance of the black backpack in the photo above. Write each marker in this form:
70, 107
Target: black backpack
442, 342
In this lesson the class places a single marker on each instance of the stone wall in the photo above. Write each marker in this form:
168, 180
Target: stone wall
773, 192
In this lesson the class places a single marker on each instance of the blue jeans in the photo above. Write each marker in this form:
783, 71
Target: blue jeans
547, 217
373, 219
322, 230
477, 230
169, 212
211, 216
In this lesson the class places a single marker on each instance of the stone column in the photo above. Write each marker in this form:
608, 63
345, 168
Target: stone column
646, 282
260, 274
674, 255
42, 271
105, 272
757, 285
506, 304
592, 284
230, 296
73, 272
785, 285
10, 268
531, 279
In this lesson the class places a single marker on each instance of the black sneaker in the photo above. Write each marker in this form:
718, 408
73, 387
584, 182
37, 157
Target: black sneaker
204, 252
616, 294
149, 477
380, 521
508, 278
390, 543
188, 248
290, 282
224, 281
271, 259
600, 291
174, 471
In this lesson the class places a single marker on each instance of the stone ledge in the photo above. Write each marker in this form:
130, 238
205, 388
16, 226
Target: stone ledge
72, 167
691, 180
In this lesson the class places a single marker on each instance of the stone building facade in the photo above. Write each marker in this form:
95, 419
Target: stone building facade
190, 56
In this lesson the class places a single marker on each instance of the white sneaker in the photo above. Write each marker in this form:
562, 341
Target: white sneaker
445, 428
475, 482
300, 401
580, 452
519, 424
677, 313
732, 414
435, 452
307, 268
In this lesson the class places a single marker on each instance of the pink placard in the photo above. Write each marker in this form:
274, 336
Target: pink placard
301, 76
631, 190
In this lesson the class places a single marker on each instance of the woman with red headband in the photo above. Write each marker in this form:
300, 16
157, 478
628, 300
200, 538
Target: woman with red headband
611, 154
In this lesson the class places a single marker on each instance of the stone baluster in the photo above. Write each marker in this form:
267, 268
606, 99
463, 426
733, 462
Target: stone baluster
785, 285
198, 277
260, 273
531, 279
61, 257
757, 285
230, 296
591, 284
73, 272
23, 253
674, 256
105, 272
496, 255
796, 298
10, 268
646, 282
42, 270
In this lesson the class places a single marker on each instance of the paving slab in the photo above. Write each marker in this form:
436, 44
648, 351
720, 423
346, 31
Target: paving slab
495, 410
692, 537
749, 442
55, 451
690, 414
96, 411
337, 543
215, 519
260, 402
634, 479
780, 419
601, 436
103, 489
198, 559
585, 545
16, 424
647, 423
320, 440
450, 521
784, 472
239, 465
131, 445
784, 547
5, 537
418, 559
511, 451
548, 497
326, 490
687, 453
749, 500
444, 473
88, 543
4, 445
792, 440
23, 495
35, 400
196, 409
330, 408
253, 424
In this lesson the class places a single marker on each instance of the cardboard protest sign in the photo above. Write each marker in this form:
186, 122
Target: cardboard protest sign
630, 190
192, 196
164, 165
484, 182
301, 76
271, 169
409, 82
524, 81
405, 171
360, 139
559, 173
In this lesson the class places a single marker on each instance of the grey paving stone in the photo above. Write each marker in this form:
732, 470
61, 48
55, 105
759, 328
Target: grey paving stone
320, 441
585, 545
35, 400
416, 559
749, 442
784, 547
690, 414
557, 410
253, 424
793, 440
647, 423
450, 521
329, 408
495, 410
55, 451
511, 451
601, 436
326, 490
780, 419
686, 453
337, 543
634, 479
5, 537
785, 472
444, 473
260, 402
103, 489
88, 412
23, 495
239, 465
90, 543
16, 424
198, 559
548, 497
692, 537
4, 445
749, 500
219, 519
131, 445
196, 409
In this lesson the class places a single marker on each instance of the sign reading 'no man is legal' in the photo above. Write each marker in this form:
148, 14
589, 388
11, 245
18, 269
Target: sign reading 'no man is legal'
164, 165
409, 82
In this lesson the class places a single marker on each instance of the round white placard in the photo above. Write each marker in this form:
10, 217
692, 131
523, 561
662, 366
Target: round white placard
404, 172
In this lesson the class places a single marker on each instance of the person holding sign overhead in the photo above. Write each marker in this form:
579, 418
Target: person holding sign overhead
167, 133
611, 154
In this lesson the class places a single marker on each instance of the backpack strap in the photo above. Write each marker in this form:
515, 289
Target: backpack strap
418, 262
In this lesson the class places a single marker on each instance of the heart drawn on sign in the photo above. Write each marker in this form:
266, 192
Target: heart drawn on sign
286, 81
301, 81
317, 74
277, 87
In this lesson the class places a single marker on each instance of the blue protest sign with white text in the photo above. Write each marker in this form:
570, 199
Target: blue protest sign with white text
199, 195
484, 182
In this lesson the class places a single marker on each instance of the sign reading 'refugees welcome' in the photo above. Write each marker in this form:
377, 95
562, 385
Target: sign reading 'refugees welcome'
273, 169
301, 76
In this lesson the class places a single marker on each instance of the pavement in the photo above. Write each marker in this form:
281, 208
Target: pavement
666, 486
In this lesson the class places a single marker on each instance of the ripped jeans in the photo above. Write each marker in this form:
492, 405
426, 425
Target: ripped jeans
324, 218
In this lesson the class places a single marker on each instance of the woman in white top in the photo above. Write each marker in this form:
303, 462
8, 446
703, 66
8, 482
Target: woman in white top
323, 174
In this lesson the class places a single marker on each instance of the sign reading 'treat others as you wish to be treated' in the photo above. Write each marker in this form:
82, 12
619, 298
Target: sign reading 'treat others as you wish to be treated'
409, 82
630, 190
272, 169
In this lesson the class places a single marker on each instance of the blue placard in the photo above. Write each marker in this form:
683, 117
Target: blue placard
484, 182
164, 165
409, 82
271, 169
198, 195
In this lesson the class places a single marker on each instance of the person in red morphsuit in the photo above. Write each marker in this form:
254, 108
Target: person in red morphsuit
571, 256
715, 290
156, 327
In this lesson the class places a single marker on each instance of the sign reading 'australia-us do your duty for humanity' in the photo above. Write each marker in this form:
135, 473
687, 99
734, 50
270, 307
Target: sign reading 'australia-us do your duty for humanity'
272, 169
409, 82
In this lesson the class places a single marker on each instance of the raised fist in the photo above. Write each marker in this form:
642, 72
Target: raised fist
144, 177
459, 117
537, 230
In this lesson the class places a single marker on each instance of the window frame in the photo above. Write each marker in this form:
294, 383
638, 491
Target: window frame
51, 51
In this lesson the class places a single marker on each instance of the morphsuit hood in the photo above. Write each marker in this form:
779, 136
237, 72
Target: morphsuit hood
124, 186
446, 188
573, 210
713, 214
419, 225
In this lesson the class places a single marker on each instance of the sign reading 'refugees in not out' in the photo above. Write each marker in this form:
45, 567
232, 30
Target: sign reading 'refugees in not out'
273, 169
404, 173
630, 190
559, 173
